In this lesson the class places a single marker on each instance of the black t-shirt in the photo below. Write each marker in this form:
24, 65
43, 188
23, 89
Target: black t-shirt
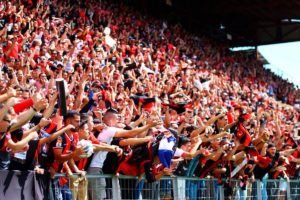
182, 168
45, 156
64, 142
128, 84
206, 168
259, 172
111, 162
5, 153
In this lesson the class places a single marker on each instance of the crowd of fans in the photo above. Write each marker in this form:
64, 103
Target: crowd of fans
151, 98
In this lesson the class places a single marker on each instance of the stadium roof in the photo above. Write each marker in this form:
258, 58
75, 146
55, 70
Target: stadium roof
247, 22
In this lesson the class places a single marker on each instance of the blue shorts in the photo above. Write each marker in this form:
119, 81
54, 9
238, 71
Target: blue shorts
165, 157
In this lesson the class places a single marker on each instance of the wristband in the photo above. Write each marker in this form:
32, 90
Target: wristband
23, 105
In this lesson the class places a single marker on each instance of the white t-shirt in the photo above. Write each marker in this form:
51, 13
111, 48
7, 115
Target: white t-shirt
178, 152
164, 144
106, 136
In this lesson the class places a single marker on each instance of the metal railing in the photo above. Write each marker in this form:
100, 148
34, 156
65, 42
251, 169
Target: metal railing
179, 188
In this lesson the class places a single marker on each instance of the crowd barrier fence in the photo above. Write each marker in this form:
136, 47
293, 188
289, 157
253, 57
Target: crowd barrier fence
177, 188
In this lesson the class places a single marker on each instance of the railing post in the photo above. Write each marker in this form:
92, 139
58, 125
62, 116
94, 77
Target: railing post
258, 190
221, 192
288, 190
157, 185
181, 187
208, 182
116, 192
175, 188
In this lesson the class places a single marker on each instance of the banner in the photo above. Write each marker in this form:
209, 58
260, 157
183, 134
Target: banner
25, 185
62, 91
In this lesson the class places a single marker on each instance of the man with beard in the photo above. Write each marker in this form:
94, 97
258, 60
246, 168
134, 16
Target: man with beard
64, 150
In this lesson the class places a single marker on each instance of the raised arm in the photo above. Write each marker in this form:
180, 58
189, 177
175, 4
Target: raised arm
20, 145
55, 135
80, 94
106, 147
213, 137
208, 123
167, 120
193, 152
49, 110
230, 155
27, 115
10, 93
136, 131
135, 141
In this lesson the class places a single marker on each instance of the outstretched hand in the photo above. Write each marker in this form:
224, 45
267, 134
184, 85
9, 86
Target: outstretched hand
154, 122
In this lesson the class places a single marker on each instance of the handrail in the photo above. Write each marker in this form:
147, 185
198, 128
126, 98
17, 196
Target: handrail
57, 175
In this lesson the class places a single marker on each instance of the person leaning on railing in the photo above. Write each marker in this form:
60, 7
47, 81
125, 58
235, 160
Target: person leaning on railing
106, 136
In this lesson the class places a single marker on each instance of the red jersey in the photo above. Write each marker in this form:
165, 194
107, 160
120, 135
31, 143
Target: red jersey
291, 169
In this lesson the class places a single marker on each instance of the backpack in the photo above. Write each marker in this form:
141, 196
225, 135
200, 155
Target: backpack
112, 160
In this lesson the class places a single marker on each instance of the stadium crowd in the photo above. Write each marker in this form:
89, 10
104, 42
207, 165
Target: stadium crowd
148, 97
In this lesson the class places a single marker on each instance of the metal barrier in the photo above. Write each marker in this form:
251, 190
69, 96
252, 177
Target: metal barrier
178, 188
